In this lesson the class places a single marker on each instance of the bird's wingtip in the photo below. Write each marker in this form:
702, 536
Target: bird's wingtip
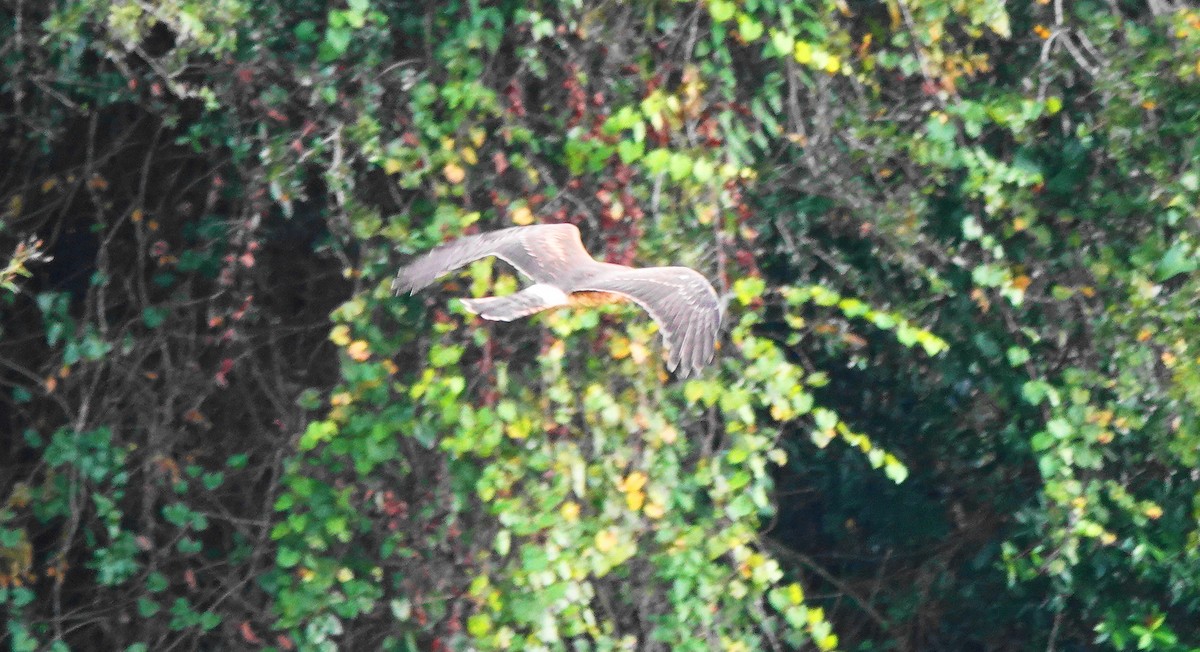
405, 284
469, 306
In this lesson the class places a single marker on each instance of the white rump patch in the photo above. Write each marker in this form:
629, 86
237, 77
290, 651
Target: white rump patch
547, 293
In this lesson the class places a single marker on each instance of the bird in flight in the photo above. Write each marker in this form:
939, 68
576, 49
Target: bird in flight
680, 299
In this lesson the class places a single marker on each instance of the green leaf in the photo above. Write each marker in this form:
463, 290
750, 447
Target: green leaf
1017, 356
657, 161
1059, 428
1179, 259
479, 625
316, 433
178, 514
156, 582
630, 151
749, 29
147, 608
825, 419
213, 479
740, 507
721, 10
680, 167
748, 289
783, 42
337, 41
444, 356
153, 317
287, 557
1034, 391
306, 31
894, 469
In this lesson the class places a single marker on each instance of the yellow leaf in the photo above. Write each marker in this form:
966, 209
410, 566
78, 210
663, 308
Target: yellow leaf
359, 350
654, 510
833, 65
392, 166
569, 511
521, 215
803, 52
635, 500
606, 540
345, 575
633, 482
815, 615
619, 348
638, 353
668, 435
519, 429
795, 594
477, 135
340, 335
468, 155
454, 173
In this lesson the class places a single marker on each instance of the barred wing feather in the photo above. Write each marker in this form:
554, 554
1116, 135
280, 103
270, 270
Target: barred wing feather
683, 303
545, 253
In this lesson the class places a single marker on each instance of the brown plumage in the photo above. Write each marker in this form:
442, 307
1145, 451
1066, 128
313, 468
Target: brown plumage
681, 300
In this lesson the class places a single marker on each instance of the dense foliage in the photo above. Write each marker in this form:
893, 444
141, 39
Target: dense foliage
956, 403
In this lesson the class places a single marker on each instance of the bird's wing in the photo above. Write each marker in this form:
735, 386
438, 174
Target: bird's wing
543, 252
531, 300
680, 299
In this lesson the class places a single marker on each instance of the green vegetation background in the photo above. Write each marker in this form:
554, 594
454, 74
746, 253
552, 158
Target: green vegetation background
955, 402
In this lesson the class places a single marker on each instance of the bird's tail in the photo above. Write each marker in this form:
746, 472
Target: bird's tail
533, 299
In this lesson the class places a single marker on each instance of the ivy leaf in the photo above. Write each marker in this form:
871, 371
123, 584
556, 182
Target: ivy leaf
721, 10
749, 29
1176, 261
153, 317
680, 166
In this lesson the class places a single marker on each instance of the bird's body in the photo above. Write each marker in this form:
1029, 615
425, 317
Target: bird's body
681, 300
587, 299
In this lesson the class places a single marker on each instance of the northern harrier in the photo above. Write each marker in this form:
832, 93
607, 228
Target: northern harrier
681, 300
